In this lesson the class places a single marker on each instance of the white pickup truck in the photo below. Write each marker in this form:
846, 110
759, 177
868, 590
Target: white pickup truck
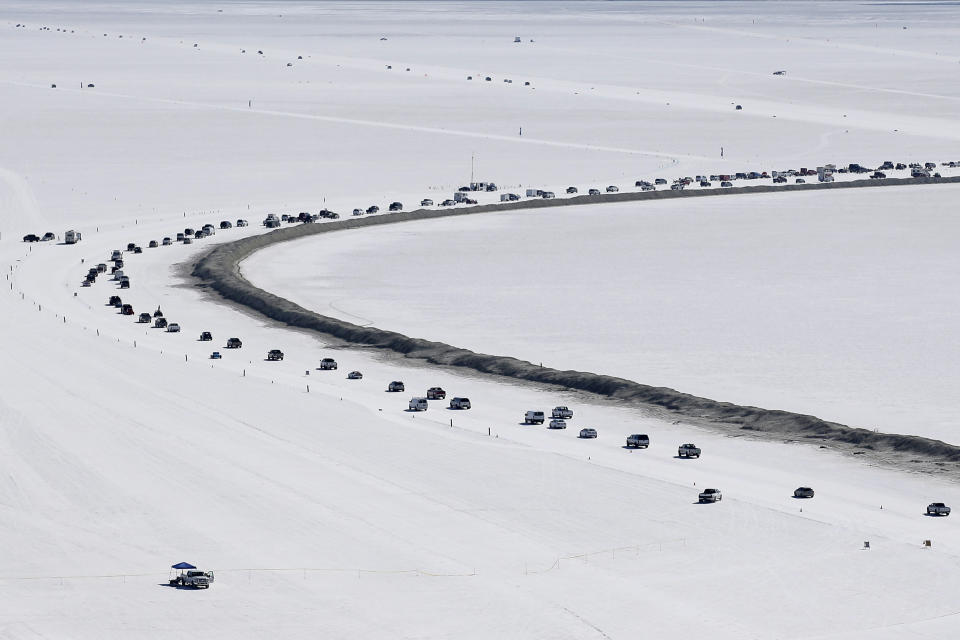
193, 578
561, 413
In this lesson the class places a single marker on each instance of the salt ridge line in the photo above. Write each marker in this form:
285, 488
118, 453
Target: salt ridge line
219, 270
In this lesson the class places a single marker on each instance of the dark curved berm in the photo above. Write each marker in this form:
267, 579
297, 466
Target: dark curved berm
218, 269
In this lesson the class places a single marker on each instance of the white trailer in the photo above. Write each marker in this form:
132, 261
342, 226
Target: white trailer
71, 237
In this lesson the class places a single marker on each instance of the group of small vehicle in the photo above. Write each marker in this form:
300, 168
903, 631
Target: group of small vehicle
433, 393
558, 417
561, 414
157, 318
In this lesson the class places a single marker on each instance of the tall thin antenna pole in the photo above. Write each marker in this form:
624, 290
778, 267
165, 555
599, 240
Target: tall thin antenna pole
471, 168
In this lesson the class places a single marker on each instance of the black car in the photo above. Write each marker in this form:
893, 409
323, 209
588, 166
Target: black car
153, 244
160, 322
373, 209
130, 246
396, 206
234, 343
206, 336
137, 249
31, 237
115, 301
48, 236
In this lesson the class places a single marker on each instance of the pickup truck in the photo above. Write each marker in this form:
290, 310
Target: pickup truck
938, 509
710, 495
638, 440
561, 413
436, 393
688, 451
197, 579
533, 417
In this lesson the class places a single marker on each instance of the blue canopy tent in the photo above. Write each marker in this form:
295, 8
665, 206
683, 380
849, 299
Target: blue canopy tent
177, 570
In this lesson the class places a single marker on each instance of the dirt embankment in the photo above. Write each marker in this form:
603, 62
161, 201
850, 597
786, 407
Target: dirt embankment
218, 270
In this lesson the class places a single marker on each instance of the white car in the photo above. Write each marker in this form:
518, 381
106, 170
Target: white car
588, 433
557, 423
354, 375
173, 327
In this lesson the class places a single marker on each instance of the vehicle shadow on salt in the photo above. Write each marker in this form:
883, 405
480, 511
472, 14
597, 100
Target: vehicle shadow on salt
177, 586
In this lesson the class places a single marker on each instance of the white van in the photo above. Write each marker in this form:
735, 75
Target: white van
418, 404
533, 417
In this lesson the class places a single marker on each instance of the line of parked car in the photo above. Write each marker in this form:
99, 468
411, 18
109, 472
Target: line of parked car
561, 414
